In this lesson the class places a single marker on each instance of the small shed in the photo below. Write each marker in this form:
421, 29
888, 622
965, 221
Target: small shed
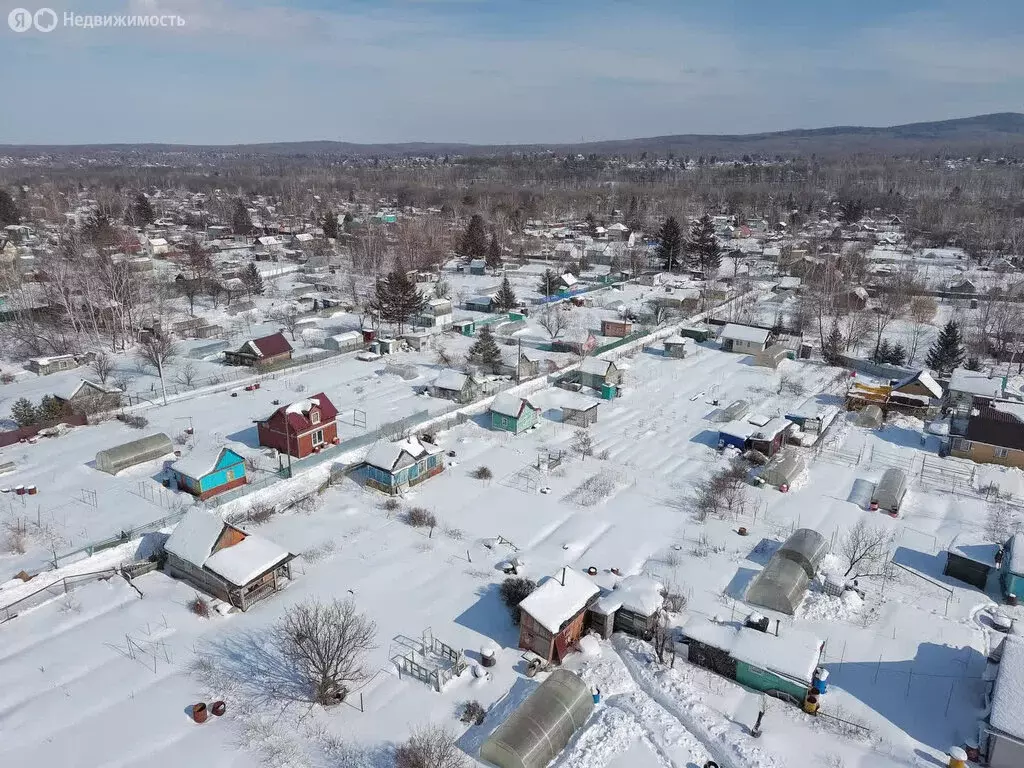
769, 434
971, 558
679, 347
418, 340
698, 334
529, 364
616, 328
539, 729
780, 586
455, 385
551, 618
632, 606
464, 327
478, 267
113, 460
512, 413
745, 339
207, 472
44, 366
596, 373
344, 342
784, 468
773, 355
88, 397
920, 384
890, 490
579, 411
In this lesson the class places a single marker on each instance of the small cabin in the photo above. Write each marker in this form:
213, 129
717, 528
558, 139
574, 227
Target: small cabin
456, 386
616, 328
552, 618
971, 559
744, 339
395, 467
511, 413
679, 347
205, 473
632, 606
44, 366
262, 351
597, 373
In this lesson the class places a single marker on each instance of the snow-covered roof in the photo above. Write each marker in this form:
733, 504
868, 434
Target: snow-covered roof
576, 401
738, 332
976, 383
193, 538
302, 406
200, 461
1014, 409
618, 226
157, 241
596, 366
1016, 563
244, 561
926, 381
675, 338
789, 282
451, 380
771, 428
386, 455
569, 279
740, 428
975, 547
559, 598
1008, 694
794, 654
507, 404
347, 336
638, 593
96, 387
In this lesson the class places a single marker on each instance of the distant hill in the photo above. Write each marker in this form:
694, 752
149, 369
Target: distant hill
1001, 132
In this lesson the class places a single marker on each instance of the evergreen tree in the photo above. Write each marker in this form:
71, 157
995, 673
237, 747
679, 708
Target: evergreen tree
330, 225
50, 410
591, 225
548, 285
505, 299
897, 354
833, 346
948, 351
474, 239
485, 352
24, 413
8, 210
143, 210
882, 352
396, 298
493, 252
253, 280
346, 222
704, 247
241, 222
670, 245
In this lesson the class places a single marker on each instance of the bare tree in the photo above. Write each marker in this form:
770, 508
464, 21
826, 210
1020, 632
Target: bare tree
865, 549
158, 351
288, 317
922, 312
554, 321
583, 443
186, 374
102, 365
660, 312
327, 644
431, 746
661, 636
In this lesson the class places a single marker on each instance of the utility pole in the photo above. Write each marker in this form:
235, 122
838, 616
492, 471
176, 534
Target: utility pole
519, 361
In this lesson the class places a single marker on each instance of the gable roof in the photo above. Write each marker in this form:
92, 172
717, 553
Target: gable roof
996, 427
297, 414
269, 346
202, 461
96, 389
979, 383
386, 456
242, 562
737, 332
559, 598
596, 366
451, 380
925, 380
507, 404
194, 537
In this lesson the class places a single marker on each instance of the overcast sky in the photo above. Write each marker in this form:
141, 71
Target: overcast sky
504, 71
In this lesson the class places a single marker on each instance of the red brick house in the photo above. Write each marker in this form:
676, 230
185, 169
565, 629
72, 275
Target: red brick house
301, 428
262, 351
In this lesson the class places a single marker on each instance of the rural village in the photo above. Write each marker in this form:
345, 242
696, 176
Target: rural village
342, 477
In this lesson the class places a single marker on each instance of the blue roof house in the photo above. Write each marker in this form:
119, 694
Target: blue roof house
207, 472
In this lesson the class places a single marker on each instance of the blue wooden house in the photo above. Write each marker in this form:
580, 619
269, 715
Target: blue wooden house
395, 467
511, 413
1012, 567
207, 472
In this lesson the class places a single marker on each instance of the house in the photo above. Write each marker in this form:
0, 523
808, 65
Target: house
632, 606
301, 428
783, 665
972, 389
529, 364
853, 300
758, 432
157, 246
920, 384
511, 413
679, 347
1011, 568
263, 351
567, 282
205, 473
455, 386
478, 267
993, 434
618, 231
971, 558
269, 244
744, 339
395, 467
1004, 745
616, 328
44, 366
437, 313
226, 562
552, 617
480, 304
788, 284
597, 373
962, 286
87, 397
578, 410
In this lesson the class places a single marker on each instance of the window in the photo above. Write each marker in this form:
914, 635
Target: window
318, 437
314, 417
504, 421
1001, 453
959, 444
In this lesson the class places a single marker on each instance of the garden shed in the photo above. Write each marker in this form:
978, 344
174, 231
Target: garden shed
780, 586
971, 558
551, 618
633, 607
580, 411
773, 355
113, 460
540, 728
784, 468
679, 346
890, 490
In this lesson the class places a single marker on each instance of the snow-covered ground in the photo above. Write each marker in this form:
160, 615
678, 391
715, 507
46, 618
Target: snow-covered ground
103, 677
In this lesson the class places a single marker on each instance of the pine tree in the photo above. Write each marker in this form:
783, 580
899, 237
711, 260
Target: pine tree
253, 280
241, 222
396, 298
591, 225
330, 225
24, 413
670, 245
948, 351
143, 210
50, 410
493, 252
346, 222
882, 352
548, 285
474, 239
704, 247
832, 349
897, 354
485, 352
505, 299
8, 210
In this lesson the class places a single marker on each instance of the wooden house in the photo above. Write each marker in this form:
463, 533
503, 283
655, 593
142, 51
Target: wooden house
301, 428
207, 472
597, 373
553, 617
632, 606
480, 304
478, 267
87, 397
744, 339
511, 413
529, 364
578, 410
224, 561
919, 385
616, 328
263, 351
396, 467
437, 313
455, 386
44, 366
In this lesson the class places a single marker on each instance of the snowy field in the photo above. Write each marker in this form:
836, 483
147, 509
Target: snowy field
905, 662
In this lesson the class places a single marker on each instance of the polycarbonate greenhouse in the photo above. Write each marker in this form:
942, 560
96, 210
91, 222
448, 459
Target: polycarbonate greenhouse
807, 548
784, 468
870, 417
783, 582
543, 724
113, 460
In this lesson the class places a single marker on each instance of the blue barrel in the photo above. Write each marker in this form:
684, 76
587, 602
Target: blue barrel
821, 680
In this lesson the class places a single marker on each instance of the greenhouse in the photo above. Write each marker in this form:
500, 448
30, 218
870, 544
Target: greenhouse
543, 724
113, 460
784, 469
890, 490
780, 586
871, 417
807, 548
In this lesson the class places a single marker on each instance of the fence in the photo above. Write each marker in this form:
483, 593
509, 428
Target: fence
52, 590
24, 433
120, 538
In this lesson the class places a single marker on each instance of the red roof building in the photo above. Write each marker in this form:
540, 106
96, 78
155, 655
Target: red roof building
267, 349
301, 428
